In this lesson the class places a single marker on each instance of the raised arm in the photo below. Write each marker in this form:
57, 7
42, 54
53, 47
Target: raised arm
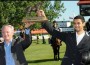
28, 37
48, 26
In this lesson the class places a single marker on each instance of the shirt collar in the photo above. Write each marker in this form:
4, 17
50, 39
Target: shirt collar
82, 34
8, 44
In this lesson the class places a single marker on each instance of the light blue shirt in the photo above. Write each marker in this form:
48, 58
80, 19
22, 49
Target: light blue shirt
8, 54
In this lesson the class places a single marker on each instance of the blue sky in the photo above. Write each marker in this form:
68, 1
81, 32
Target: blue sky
72, 9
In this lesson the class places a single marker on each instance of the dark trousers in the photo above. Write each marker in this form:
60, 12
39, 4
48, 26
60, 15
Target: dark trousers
56, 52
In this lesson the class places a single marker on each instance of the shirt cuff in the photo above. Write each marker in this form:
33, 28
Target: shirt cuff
27, 31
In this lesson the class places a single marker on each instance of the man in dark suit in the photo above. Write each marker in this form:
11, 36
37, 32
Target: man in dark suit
11, 50
76, 42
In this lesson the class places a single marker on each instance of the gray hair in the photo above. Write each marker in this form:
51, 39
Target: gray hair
7, 26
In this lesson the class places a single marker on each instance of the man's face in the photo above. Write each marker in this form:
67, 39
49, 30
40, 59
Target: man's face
78, 25
7, 33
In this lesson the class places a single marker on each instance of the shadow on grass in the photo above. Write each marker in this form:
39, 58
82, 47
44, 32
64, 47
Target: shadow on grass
42, 60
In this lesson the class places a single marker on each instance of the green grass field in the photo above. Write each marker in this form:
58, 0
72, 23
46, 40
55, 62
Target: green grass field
42, 54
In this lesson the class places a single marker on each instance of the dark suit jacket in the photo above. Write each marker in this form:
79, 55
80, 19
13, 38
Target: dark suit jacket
17, 48
73, 51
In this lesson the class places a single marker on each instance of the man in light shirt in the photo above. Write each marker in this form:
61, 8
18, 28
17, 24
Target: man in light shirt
11, 50
76, 42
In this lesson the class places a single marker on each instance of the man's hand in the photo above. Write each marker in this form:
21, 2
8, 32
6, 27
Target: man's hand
28, 24
40, 13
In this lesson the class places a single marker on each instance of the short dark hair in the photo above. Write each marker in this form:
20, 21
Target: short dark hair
80, 17
54, 22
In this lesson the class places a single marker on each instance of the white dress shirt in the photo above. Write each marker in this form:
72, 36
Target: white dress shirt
79, 37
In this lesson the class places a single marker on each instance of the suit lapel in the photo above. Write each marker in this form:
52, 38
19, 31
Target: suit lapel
13, 42
12, 46
74, 38
83, 40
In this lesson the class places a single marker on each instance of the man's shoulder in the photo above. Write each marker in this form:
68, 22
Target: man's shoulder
87, 33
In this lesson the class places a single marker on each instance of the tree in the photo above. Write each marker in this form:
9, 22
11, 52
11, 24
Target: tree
12, 12
54, 10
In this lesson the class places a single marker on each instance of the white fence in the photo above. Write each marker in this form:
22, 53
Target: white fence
34, 37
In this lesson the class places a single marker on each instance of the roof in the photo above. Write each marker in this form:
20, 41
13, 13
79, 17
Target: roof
83, 2
39, 31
